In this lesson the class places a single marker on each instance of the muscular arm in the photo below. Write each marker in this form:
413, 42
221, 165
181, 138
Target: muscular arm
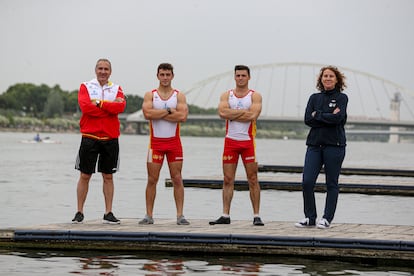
254, 111
150, 113
241, 115
224, 110
180, 113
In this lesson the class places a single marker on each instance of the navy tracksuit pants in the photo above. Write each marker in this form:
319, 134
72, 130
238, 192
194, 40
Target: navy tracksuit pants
331, 157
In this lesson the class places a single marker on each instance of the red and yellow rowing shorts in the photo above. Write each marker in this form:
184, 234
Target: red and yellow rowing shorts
169, 147
234, 148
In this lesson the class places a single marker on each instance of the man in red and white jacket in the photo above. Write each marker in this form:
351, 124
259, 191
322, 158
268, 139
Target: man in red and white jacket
100, 102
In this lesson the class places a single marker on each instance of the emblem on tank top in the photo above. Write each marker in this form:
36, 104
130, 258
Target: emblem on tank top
239, 105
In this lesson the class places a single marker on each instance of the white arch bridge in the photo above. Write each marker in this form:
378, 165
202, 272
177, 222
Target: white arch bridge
286, 87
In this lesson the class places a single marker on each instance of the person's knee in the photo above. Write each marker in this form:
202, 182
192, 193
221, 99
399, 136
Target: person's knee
85, 177
332, 186
152, 181
176, 177
252, 178
108, 178
153, 177
308, 185
254, 186
228, 179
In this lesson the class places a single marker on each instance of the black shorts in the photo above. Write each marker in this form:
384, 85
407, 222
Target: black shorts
106, 152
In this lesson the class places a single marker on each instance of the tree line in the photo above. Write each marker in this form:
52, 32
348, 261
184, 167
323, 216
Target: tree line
26, 105
42, 101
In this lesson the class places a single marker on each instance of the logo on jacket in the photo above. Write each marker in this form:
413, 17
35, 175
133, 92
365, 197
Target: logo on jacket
332, 103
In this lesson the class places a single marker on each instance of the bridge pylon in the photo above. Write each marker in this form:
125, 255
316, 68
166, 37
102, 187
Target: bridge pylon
395, 116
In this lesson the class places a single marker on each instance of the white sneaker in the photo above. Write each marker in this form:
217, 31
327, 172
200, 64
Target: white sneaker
304, 223
323, 224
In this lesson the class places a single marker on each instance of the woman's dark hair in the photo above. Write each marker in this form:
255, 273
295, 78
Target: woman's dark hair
340, 77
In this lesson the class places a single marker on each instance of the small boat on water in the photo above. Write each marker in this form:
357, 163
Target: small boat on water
37, 140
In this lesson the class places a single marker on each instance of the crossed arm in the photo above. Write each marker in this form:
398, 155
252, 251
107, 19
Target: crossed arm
88, 105
317, 118
178, 114
240, 115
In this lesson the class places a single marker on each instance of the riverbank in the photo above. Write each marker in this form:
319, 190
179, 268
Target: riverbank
265, 129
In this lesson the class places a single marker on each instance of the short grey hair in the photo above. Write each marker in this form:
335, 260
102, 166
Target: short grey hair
104, 60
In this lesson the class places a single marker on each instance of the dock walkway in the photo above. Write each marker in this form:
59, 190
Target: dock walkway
377, 243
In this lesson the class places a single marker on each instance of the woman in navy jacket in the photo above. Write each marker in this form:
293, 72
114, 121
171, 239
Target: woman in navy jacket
326, 116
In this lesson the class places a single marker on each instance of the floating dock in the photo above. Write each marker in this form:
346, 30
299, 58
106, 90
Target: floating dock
379, 244
289, 178
344, 171
374, 186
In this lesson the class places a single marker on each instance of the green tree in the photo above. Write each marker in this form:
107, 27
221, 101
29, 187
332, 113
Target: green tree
4, 122
40, 101
71, 102
25, 97
134, 103
193, 109
54, 105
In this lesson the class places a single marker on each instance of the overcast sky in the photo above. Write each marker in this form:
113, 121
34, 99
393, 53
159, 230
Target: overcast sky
58, 42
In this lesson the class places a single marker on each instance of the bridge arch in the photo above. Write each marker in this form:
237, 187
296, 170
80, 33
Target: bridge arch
285, 88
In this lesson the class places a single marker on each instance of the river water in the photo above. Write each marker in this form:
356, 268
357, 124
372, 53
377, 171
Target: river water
38, 186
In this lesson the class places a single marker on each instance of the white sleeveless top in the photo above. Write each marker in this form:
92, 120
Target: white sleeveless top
163, 128
240, 131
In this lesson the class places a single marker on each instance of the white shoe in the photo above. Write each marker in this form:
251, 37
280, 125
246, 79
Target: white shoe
323, 224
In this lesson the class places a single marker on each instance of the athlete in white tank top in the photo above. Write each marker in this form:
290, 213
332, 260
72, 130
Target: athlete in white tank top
163, 128
240, 131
